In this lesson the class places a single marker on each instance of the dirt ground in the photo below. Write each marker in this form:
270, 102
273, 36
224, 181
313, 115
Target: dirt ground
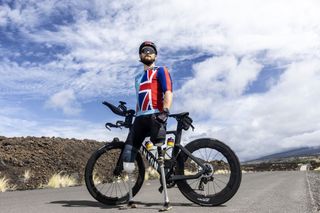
44, 157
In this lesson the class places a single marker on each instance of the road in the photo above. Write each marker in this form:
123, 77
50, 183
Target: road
259, 192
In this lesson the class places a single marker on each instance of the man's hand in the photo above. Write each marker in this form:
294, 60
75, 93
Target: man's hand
163, 116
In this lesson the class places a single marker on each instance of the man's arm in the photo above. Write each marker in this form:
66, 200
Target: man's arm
167, 100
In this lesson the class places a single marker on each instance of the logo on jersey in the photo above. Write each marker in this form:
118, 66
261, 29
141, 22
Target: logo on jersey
145, 101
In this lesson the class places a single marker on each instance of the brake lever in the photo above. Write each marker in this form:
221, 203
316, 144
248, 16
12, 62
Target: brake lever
108, 125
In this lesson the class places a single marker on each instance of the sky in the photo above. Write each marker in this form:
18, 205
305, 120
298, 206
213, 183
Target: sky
247, 71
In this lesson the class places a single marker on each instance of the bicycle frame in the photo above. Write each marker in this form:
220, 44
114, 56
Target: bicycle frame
177, 149
172, 169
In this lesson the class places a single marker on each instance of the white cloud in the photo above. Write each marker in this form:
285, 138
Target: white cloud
18, 121
285, 116
104, 47
243, 37
66, 101
216, 79
67, 128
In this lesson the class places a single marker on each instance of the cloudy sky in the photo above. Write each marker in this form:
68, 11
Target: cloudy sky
247, 71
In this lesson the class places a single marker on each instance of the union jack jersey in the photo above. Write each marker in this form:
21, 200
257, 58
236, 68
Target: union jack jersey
150, 87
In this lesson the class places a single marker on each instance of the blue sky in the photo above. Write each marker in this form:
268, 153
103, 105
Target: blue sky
248, 72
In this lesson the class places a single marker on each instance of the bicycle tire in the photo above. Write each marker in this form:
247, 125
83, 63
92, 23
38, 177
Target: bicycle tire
109, 155
195, 194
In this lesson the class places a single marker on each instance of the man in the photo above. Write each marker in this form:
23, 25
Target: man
154, 99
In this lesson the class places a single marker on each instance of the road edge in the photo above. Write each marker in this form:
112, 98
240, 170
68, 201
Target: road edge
314, 206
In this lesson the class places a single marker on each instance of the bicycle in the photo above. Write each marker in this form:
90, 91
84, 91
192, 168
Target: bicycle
206, 171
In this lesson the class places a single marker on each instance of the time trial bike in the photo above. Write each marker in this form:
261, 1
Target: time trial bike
206, 171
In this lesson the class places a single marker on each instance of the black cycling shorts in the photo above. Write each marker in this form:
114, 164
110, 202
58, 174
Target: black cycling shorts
146, 126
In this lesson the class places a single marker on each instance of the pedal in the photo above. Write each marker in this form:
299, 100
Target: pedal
160, 189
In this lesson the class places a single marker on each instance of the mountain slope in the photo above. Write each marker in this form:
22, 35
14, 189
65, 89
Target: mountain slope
298, 152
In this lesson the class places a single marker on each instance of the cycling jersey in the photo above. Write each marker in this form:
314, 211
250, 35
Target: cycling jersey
150, 88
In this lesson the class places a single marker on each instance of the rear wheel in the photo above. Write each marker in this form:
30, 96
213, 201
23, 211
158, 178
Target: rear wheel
217, 186
100, 180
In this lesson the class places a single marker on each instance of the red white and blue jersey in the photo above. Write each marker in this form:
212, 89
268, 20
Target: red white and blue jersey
150, 87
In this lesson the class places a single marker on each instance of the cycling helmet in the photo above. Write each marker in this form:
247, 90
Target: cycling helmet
148, 43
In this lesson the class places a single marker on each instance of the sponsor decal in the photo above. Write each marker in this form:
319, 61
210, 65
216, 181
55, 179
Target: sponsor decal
203, 199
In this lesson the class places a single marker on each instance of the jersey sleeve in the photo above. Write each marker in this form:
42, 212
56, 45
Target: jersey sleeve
165, 79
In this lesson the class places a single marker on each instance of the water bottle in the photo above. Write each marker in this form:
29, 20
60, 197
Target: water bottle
149, 145
151, 148
170, 142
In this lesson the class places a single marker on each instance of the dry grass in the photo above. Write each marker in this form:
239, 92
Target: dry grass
188, 172
27, 175
221, 172
96, 179
151, 173
4, 185
59, 180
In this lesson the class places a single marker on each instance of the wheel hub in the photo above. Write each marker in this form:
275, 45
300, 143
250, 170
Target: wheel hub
209, 171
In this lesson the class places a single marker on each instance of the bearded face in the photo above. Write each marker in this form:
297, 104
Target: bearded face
147, 59
147, 55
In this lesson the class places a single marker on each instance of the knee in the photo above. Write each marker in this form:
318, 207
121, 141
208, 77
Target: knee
128, 156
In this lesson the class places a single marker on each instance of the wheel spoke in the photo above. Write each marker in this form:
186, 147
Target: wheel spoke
194, 181
125, 185
214, 182
103, 185
220, 180
210, 155
214, 188
217, 185
110, 188
205, 150
201, 155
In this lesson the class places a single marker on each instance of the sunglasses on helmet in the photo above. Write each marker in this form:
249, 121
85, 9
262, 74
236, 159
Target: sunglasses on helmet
148, 50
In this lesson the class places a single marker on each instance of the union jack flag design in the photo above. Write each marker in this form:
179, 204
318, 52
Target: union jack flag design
150, 89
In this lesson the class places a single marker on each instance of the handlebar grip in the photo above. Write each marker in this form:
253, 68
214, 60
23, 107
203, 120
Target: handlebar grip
114, 109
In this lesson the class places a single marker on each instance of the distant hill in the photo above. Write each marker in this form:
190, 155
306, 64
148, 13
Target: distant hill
298, 152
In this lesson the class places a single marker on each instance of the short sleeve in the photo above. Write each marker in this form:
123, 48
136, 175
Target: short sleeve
164, 79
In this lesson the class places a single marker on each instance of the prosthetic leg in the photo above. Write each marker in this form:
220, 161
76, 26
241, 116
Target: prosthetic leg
166, 205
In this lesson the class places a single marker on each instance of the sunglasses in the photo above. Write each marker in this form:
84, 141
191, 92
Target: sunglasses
148, 50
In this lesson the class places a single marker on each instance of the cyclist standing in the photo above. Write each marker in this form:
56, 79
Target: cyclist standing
154, 99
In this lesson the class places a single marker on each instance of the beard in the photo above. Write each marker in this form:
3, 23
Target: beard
147, 60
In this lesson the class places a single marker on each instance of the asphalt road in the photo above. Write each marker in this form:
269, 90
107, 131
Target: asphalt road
259, 192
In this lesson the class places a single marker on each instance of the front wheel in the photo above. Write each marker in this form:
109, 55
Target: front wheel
103, 184
217, 186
